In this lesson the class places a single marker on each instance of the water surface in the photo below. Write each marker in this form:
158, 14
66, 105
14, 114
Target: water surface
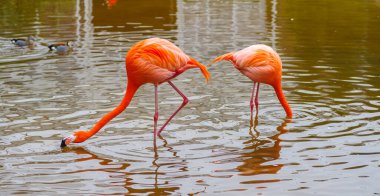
330, 52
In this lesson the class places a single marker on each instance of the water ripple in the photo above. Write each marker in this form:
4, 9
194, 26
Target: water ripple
213, 145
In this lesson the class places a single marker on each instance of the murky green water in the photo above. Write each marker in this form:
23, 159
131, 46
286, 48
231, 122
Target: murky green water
331, 69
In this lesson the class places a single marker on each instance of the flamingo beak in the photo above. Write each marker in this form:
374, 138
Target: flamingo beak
67, 140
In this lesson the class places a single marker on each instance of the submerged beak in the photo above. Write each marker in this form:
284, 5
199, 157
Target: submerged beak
67, 140
63, 143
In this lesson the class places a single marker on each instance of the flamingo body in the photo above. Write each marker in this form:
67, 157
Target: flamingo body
261, 64
153, 61
157, 60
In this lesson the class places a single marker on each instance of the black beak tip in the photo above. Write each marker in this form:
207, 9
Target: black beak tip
63, 144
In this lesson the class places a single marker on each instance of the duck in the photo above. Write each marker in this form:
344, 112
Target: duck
24, 42
61, 47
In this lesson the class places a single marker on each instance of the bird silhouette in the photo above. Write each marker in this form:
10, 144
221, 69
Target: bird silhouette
153, 61
261, 64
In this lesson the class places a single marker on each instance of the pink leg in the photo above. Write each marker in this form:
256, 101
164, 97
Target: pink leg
253, 93
155, 118
185, 101
257, 98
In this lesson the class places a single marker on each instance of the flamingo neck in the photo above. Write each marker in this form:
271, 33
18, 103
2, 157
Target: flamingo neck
282, 99
131, 90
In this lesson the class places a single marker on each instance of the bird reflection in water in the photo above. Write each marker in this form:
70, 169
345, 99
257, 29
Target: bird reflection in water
160, 186
259, 152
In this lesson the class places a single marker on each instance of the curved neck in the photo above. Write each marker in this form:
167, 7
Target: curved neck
282, 99
131, 90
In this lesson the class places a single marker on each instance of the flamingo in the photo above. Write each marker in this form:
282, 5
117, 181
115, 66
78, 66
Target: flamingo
111, 3
261, 64
153, 61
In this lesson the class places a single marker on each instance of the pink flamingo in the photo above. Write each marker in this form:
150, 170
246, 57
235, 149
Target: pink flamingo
261, 64
153, 61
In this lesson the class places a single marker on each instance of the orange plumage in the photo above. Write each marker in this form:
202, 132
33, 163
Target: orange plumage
261, 64
153, 61
157, 60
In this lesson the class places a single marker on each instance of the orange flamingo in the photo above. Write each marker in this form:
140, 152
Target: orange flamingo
261, 64
111, 3
153, 61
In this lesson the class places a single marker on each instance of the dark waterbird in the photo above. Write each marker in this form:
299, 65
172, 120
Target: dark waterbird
24, 42
61, 47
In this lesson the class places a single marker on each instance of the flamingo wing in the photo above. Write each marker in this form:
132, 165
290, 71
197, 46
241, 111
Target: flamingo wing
260, 63
157, 60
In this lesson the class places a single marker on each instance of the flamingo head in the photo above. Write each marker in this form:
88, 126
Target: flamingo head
77, 137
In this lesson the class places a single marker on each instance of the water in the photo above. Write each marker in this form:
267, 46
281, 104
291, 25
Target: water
330, 52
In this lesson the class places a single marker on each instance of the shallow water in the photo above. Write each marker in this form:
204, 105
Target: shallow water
331, 68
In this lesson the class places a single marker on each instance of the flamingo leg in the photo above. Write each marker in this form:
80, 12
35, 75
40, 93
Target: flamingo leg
185, 101
155, 118
251, 102
257, 98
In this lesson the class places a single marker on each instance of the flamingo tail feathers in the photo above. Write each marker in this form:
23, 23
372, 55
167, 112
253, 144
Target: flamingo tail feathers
226, 57
203, 68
